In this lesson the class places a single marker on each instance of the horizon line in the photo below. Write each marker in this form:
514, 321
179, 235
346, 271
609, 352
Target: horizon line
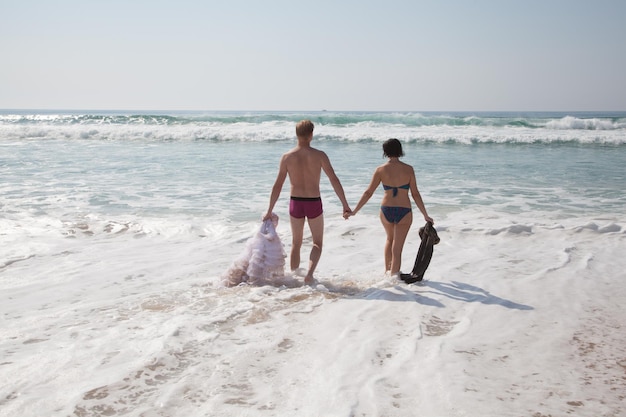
162, 110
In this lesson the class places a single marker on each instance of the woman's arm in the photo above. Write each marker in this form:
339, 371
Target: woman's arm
417, 197
368, 193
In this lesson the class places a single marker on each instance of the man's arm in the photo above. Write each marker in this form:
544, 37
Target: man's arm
334, 181
277, 188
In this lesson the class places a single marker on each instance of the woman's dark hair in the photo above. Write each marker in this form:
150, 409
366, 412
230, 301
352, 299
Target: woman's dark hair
392, 148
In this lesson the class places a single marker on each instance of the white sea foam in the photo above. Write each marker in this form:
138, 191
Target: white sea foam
516, 315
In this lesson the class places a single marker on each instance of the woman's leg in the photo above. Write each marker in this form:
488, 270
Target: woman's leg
389, 230
400, 233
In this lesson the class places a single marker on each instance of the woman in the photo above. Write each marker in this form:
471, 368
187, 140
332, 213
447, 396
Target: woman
396, 216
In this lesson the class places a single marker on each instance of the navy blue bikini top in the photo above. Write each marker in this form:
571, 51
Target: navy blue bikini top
395, 189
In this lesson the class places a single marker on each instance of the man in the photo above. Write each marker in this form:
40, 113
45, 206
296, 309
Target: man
303, 164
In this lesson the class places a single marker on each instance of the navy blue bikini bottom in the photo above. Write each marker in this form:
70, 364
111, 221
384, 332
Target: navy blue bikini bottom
394, 214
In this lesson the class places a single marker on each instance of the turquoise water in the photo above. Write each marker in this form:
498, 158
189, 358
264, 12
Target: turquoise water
216, 165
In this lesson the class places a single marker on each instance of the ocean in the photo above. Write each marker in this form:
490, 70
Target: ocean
116, 228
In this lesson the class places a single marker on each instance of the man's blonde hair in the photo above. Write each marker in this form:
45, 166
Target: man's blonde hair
304, 128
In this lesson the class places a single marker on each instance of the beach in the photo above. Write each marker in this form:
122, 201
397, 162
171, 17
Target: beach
116, 230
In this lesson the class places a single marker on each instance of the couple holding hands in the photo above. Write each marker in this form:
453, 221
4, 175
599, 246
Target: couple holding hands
303, 165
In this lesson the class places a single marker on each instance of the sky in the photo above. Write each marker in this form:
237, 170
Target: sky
292, 55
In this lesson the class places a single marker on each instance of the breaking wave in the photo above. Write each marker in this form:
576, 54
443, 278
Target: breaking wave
584, 128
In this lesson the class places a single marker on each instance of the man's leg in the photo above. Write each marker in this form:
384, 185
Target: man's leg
297, 232
317, 234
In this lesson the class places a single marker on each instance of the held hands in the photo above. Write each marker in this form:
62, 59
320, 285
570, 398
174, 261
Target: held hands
347, 212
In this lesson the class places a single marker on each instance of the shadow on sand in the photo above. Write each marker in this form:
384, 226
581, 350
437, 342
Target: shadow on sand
454, 290
469, 293
416, 292
398, 293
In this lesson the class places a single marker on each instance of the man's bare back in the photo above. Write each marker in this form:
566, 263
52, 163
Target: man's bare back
303, 165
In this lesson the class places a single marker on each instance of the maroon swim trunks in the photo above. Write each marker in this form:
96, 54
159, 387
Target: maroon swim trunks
310, 207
